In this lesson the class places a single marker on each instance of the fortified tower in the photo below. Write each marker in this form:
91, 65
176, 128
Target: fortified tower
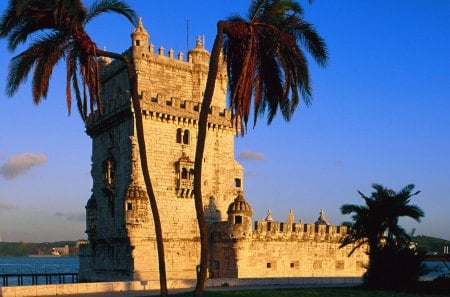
119, 223
118, 216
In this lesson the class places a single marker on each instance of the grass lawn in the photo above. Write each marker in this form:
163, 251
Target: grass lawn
308, 292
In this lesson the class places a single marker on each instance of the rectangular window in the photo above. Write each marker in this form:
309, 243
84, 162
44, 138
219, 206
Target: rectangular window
129, 206
295, 264
360, 264
238, 220
340, 265
237, 182
269, 265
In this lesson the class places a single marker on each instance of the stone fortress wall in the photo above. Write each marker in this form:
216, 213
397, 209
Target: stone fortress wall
119, 224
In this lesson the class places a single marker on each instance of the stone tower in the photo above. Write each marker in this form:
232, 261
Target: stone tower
119, 222
120, 228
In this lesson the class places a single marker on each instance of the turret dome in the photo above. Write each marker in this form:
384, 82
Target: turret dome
135, 192
239, 205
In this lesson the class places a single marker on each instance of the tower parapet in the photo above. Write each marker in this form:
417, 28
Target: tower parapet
321, 231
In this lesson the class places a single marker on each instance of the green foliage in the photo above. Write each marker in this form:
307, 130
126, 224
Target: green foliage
307, 292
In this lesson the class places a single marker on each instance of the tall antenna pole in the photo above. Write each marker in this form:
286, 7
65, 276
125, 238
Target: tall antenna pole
187, 36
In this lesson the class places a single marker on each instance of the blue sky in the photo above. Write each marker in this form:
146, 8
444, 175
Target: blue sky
380, 115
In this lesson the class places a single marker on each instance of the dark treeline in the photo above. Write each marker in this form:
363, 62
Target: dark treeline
18, 249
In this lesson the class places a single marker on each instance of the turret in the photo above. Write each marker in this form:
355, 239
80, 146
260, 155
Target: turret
239, 218
199, 55
91, 218
321, 220
136, 206
140, 36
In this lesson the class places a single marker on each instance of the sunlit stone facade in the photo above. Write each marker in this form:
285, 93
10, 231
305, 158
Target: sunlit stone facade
119, 223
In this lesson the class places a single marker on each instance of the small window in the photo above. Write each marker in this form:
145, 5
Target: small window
237, 182
360, 264
339, 265
186, 137
295, 264
269, 265
238, 220
138, 42
179, 135
129, 206
184, 173
292, 265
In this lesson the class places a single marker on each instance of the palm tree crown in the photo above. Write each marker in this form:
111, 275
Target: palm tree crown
266, 64
376, 222
57, 29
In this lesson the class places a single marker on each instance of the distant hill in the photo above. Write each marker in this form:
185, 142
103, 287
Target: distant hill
430, 244
19, 249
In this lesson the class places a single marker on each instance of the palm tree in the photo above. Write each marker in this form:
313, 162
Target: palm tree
58, 28
376, 223
267, 66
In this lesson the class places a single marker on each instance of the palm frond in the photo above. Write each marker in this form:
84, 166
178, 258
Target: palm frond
313, 43
52, 50
117, 6
267, 68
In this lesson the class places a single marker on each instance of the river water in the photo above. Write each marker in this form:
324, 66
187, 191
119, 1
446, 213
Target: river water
12, 265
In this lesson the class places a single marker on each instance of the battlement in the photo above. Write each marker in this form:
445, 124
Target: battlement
177, 109
268, 229
264, 230
298, 231
110, 67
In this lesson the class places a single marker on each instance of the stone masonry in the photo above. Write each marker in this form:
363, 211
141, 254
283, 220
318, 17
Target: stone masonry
119, 224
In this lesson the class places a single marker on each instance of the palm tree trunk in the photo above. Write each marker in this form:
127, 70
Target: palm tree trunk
373, 263
144, 165
200, 149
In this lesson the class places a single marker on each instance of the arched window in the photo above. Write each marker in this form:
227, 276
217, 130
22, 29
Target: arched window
186, 137
179, 135
184, 173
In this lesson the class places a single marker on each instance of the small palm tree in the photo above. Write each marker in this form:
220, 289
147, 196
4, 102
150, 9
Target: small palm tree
58, 28
376, 223
267, 69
